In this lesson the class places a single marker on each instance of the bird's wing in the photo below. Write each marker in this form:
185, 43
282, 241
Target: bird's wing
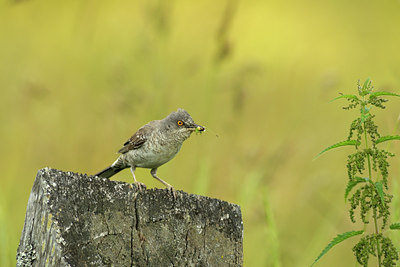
137, 139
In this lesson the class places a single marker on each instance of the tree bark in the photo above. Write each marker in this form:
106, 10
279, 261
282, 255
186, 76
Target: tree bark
78, 220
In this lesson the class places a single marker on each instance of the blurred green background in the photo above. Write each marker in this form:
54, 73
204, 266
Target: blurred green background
77, 78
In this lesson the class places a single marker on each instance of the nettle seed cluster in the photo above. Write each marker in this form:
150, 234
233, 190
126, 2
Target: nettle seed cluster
367, 197
367, 189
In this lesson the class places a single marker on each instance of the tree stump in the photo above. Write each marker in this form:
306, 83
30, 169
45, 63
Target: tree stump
78, 220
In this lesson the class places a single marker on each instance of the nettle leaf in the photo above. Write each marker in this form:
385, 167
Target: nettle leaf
346, 96
365, 86
379, 189
351, 184
339, 238
381, 93
395, 226
343, 143
387, 138
365, 89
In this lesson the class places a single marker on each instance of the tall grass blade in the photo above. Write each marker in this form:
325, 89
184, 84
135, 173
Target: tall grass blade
339, 238
273, 244
248, 190
5, 251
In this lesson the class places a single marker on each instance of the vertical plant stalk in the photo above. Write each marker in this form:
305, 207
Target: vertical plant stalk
373, 187
369, 195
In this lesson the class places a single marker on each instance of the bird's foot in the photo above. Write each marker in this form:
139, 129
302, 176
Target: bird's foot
172, 190
140, 186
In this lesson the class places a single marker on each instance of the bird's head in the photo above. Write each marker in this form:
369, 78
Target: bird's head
181, 124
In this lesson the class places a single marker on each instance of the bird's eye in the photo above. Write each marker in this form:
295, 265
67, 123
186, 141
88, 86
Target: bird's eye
180, 123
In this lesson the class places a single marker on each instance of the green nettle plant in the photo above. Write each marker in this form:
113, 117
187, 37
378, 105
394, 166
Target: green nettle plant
367, 189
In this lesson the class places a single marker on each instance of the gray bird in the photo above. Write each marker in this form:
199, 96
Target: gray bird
153, 145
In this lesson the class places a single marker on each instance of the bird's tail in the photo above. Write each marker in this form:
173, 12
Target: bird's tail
108, 172
116, 167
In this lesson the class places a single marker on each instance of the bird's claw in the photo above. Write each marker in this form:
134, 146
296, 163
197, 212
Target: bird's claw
140, 186
172, 190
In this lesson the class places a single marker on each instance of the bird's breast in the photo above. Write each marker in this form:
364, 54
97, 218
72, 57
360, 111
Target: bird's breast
153, 153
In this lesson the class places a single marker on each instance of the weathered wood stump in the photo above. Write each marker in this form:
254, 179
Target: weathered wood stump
79, 220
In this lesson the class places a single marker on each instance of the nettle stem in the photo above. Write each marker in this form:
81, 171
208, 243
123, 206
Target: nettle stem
372, 185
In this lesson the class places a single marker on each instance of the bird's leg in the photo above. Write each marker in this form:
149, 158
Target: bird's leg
139, 185
170, 187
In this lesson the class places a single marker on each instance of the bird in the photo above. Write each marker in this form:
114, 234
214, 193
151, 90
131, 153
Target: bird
153, 145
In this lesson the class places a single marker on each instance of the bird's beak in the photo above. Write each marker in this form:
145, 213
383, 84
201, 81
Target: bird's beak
197, 128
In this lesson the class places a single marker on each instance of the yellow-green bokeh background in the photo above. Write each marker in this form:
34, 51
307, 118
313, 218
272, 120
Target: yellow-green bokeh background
77, 78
